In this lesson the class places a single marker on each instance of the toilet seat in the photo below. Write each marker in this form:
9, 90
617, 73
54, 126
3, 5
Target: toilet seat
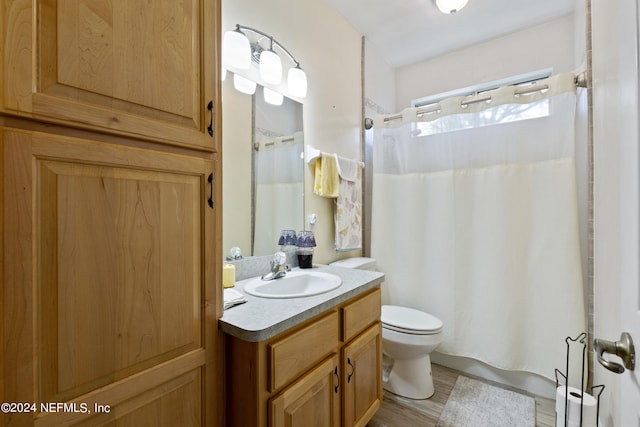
409, 321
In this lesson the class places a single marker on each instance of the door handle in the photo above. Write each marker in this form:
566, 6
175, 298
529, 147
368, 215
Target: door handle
210, 180
623, 348
352, 370
210, 127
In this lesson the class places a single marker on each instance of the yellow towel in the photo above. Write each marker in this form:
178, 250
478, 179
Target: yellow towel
327, 180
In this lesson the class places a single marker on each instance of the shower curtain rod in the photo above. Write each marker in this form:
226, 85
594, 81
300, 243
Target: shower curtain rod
580, 80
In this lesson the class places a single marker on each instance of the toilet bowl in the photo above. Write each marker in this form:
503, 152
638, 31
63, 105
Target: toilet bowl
408, 338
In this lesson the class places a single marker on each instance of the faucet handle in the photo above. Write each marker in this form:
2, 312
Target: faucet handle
279, 258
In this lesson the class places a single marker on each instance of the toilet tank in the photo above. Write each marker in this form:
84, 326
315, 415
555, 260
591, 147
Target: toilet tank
358, 263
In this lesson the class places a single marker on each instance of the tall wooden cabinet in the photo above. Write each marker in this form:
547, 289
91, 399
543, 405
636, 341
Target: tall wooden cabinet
110, 217
138, 68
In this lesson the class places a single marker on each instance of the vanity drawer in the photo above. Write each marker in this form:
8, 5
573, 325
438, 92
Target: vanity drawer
294, 354
361, 313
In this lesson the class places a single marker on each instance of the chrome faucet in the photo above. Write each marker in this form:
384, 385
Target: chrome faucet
278, 267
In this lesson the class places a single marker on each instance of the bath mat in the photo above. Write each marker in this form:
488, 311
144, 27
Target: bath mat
476, 404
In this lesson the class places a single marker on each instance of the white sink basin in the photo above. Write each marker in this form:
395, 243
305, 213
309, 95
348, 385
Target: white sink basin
297, 283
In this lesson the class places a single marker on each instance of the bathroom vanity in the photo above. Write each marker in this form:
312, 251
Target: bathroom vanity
306, 361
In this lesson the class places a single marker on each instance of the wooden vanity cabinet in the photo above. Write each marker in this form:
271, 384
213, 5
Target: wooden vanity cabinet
313, 400
324, 372
141, 69
362, 377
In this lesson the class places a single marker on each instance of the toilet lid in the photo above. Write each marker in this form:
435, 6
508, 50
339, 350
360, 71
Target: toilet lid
409, 319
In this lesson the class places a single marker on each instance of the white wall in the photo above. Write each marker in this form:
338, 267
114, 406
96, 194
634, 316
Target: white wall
379, 83
550, 45
329, 50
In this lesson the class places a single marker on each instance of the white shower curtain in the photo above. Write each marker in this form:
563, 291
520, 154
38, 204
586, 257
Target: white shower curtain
278, 191
479, 225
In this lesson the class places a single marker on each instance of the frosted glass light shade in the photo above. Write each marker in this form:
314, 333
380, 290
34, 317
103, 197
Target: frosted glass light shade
236, 50
270, 67
450, 6
297, 82
244, 85
272, 97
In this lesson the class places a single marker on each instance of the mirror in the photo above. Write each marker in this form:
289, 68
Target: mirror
263, 173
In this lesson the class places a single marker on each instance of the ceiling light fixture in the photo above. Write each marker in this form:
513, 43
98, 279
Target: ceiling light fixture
450, 6
238, 52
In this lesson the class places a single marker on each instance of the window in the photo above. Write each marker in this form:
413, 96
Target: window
499, 114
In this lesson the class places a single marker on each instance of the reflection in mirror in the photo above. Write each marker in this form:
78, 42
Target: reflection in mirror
263, 170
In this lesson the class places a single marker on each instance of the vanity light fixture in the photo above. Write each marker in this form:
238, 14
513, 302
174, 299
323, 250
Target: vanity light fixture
237, 49
272, 97
297, 81
450, 6
270, 66
238, 52
243, 84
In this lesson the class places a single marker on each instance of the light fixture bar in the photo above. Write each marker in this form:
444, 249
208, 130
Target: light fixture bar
269, 61
271, 38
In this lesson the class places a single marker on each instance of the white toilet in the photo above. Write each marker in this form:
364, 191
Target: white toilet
408, 338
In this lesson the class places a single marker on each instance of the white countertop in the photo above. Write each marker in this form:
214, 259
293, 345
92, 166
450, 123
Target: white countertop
262, 318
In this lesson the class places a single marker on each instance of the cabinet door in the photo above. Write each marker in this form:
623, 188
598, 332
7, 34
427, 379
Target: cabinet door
362, 377
312, 401
146, 69
109, 295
